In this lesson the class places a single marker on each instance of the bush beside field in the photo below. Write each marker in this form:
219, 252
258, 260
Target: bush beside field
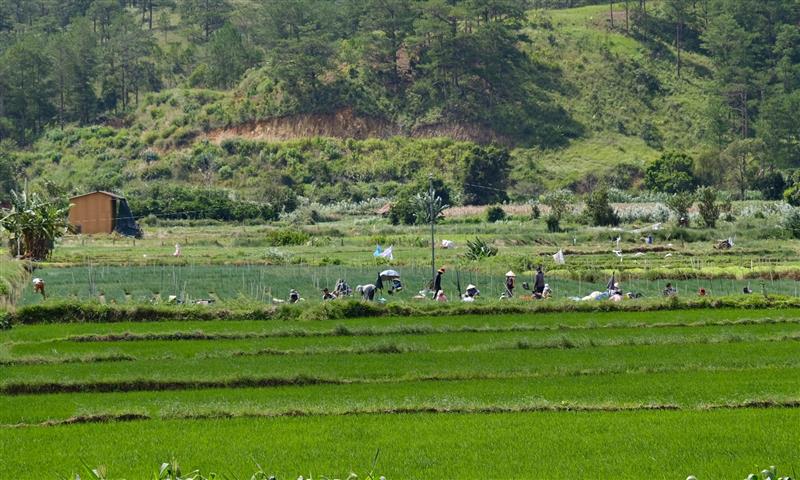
13, 278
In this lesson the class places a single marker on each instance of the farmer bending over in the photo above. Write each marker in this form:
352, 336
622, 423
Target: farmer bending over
38, 286
367, 291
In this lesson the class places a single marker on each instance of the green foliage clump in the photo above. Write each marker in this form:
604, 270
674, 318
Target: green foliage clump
479, 248
792, 223
559, 202
672, 173
34, 224
792, 193
495, 213
771, 184
178, 202
485, 175
412, 204
679, 204
286, 237
553, 223
599, 209
708, 206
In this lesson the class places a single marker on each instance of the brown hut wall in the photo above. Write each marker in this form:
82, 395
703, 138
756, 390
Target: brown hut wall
93, 213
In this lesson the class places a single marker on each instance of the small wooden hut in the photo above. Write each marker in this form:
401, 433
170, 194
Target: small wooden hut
102, 212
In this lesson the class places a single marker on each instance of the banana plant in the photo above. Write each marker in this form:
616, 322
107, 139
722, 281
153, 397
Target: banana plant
34, 224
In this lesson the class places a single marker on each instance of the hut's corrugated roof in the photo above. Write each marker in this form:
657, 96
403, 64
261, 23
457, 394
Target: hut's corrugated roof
113, 195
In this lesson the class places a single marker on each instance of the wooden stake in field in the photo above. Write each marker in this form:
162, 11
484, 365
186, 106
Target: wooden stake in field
433, 223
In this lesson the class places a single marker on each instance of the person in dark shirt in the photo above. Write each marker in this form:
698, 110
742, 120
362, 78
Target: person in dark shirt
510, 280
437, 283
294, 296
538, 283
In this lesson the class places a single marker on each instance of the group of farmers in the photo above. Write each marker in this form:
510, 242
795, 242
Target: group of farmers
390, 280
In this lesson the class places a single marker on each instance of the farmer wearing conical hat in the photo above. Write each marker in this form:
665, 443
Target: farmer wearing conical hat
437, 283
510, 277
472, 291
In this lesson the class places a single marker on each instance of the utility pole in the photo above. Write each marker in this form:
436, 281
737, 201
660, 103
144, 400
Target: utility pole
433, 223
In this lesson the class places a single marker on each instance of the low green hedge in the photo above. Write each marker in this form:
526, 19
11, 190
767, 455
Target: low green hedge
92, 312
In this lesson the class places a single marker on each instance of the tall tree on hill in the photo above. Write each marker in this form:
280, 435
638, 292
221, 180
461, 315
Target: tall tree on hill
102, 13
747, 158
82, 99
395, 18
611, 16
6, 20
25, 70
73, 53
779, 126
228, 57
8, 169
125, 64
210, 15
678, 11
467, 61
59, 55
787, 52
299, 38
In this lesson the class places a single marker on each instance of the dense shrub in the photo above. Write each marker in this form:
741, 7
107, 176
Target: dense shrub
495, 214
709, 208
156, 171
485, 175
672, 173
76, 312
406, 209
286, 236
536, 212
178, 202
771, 185
599, 210
679, 204
792, 223
403, 211
553, 223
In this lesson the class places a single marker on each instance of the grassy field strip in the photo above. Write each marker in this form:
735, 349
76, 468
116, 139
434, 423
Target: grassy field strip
715, 444
416, 409
6, 361
69, 351
560, 320
339, 368
695, 389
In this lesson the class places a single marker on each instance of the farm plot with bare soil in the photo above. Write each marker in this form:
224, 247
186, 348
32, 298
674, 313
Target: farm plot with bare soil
626, 394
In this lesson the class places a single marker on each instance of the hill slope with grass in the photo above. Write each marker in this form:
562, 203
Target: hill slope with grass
576, 97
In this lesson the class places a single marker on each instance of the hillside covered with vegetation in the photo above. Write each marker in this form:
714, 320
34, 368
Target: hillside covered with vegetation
265, 104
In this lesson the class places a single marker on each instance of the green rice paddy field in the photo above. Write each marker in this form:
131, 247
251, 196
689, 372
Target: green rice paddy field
712, 393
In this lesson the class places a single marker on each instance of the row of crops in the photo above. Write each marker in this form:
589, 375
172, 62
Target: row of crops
260, 283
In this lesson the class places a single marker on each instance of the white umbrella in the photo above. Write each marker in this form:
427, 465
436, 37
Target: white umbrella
390, 274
